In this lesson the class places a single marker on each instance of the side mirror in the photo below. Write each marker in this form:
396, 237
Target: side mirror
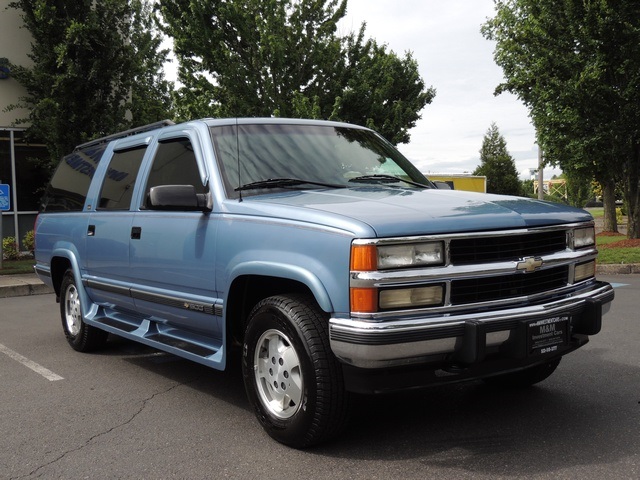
179, 198
441, 185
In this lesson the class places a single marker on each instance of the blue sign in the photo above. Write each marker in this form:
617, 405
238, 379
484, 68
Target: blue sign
5, 197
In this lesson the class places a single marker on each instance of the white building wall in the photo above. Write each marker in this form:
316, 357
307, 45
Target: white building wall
15, 44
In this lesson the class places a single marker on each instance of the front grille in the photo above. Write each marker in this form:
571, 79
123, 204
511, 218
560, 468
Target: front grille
465, 251
487, 289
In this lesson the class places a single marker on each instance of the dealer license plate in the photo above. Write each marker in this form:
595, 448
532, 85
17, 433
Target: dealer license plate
548, 335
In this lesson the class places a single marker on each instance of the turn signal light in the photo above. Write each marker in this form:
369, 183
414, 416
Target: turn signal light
364, 300
364, 258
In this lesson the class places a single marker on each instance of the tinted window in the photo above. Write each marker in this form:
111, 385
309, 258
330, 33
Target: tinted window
120, 179
175, 164
70, 183
318, 153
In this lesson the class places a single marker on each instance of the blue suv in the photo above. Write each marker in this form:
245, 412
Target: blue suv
320, 256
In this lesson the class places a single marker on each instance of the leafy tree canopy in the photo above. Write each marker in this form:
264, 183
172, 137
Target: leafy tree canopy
498, 165
576, 65
96, 70
284, 58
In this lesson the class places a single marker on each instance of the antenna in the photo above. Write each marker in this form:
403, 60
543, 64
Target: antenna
238, 161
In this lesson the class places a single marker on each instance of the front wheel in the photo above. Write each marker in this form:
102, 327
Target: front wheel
527, 377
81, 337
292, 378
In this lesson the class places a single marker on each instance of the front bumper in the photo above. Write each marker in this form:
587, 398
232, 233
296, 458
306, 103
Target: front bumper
463, 338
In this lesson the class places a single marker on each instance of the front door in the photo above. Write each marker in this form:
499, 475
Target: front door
172, 253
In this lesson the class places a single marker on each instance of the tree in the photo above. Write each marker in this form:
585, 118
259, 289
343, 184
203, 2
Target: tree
284, 58
151, 93
379, 89
96, 70
498, 165
576, 66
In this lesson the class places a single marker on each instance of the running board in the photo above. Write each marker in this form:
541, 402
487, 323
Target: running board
192, 346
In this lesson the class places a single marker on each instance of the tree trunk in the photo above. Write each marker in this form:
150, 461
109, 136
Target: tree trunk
609, 202
632, 193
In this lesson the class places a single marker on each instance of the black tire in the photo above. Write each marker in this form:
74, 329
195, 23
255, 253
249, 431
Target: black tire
292, 379
81, 337
527, 377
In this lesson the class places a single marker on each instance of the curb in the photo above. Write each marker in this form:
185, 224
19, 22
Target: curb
22, 286
615, 269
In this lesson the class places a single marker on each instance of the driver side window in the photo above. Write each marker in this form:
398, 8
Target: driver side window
174, 164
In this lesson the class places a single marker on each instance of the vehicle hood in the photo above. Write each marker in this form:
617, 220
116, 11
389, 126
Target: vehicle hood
398, 212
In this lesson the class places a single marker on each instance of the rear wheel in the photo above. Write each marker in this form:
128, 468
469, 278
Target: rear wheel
527, 377
292, 378
81, 337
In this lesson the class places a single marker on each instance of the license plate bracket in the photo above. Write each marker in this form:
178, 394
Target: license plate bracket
547, 335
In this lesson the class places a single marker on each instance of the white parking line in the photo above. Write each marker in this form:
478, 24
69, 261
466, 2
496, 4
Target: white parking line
48, 374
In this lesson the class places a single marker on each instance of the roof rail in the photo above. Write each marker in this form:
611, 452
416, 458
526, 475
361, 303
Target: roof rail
126, 133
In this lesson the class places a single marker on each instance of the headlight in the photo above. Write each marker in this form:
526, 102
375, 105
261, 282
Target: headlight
384, 257
584, 237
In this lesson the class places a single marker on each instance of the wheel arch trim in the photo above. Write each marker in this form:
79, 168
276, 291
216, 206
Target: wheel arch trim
88, 307
285, 271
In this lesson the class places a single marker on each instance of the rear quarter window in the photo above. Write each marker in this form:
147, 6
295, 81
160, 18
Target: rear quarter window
69, 185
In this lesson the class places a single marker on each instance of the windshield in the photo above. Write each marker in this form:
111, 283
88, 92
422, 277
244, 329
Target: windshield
308, 156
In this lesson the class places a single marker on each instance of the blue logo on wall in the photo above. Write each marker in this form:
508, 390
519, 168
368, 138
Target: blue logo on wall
5, 198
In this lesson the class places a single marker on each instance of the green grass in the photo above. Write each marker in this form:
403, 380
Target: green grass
619, 255
13, 267
607, 239
616, 255
596, 212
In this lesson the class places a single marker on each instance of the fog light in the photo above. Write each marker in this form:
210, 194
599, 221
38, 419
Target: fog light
411, 297
584, 271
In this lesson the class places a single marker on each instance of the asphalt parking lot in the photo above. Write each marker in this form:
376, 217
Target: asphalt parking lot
132, 412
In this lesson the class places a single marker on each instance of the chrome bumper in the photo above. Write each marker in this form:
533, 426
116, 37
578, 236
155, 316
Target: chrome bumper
369, 344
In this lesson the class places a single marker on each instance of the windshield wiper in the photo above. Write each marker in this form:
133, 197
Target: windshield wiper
284, 182
384, 179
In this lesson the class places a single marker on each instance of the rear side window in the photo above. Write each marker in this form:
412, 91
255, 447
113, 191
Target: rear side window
120, 179
69, 185
175, 164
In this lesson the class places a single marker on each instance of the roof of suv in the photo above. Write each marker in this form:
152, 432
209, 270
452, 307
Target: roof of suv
216, 122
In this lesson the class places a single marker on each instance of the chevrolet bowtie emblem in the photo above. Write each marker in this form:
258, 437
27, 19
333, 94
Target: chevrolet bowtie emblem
529, 264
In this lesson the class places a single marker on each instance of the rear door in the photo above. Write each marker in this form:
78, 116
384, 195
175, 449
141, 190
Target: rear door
109, 229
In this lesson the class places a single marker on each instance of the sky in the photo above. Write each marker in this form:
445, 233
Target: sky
454, 58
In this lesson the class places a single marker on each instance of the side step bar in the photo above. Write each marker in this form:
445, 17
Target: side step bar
192, 346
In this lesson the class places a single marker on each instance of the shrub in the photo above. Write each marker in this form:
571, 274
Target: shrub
10, 248
29, 241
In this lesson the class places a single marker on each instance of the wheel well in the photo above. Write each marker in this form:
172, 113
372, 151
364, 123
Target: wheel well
59, 265
247, 291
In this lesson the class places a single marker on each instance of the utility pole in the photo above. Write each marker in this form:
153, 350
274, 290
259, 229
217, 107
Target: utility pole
540, 174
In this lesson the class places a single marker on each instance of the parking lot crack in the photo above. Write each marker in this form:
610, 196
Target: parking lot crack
145, 402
